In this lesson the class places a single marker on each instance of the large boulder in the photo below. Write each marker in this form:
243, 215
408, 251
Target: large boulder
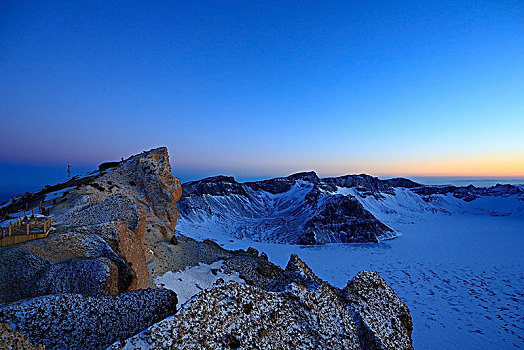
73, 321
62, 263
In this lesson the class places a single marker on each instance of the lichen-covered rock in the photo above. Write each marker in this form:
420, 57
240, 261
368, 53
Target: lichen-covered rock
72, 321
297, 311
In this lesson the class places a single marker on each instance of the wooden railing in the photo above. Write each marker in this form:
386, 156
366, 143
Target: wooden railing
20, 232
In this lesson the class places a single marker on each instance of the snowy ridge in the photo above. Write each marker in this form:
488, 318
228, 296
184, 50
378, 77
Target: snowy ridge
406, 206
304, 209
260, 215
286, 210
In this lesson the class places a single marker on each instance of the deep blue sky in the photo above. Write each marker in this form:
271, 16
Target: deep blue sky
264, 88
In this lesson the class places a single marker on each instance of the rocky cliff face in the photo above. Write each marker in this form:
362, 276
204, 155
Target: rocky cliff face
297, 311
109, 228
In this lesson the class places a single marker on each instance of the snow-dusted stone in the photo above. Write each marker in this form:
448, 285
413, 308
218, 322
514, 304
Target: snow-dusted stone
300, 312
385, 316
72, 321
62, 263
240, 316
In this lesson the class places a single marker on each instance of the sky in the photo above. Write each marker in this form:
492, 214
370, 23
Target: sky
263, 88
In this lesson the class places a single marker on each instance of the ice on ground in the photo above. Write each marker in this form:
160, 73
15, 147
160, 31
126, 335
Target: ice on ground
194, 279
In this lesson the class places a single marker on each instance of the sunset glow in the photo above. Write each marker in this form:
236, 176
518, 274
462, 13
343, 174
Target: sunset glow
388, 89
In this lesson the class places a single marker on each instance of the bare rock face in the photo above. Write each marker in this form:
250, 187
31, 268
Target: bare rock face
297, 311
72, 321
109, 229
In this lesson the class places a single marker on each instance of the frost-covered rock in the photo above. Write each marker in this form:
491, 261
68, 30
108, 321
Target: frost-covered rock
300, 312
72, 321
62, 263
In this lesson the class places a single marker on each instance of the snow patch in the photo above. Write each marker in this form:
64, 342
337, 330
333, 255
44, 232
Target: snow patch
194, 279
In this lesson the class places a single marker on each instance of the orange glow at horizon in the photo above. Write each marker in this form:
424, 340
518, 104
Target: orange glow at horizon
498, 166
509, 165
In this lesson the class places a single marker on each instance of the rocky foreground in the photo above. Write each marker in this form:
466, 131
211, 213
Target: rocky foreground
297, 311
91, 282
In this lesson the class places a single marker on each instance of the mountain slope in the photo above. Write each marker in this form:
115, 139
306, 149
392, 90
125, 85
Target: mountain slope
305, 209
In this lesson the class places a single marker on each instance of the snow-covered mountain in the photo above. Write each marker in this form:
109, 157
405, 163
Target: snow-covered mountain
305, 209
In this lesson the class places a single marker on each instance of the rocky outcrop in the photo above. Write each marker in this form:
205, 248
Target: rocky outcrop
283, 184
72, 321
109, 228
133, 206
214, 186
367, 184
298, 311
382, 319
